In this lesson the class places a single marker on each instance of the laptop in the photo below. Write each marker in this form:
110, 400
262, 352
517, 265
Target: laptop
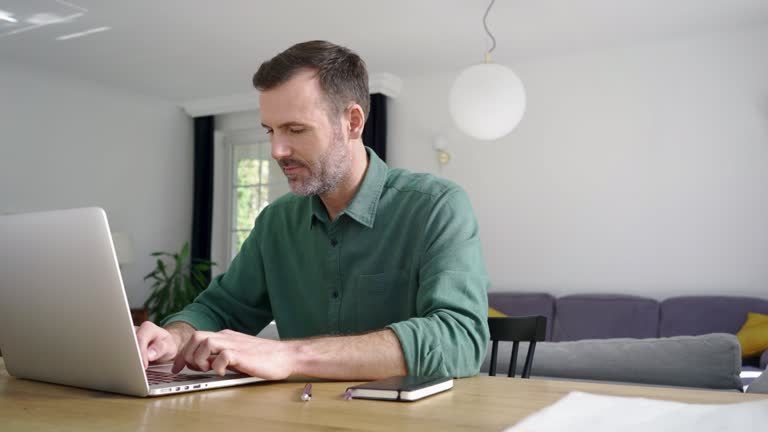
64, 315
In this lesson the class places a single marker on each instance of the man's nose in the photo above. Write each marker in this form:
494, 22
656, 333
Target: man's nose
280, 149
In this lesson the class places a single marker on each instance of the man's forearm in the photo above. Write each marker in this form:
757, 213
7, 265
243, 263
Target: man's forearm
361, 357
364, 357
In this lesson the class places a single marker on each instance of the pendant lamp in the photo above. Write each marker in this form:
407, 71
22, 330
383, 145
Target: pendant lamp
487, 100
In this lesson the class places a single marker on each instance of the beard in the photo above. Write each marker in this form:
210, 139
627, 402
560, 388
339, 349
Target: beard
325, 173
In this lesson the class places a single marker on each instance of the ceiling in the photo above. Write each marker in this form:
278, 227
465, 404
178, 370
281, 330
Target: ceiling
183, 50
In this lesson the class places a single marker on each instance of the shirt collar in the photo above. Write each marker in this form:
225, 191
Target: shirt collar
363, 206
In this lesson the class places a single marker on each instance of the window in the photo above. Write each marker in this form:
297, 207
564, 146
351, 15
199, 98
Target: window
254, 180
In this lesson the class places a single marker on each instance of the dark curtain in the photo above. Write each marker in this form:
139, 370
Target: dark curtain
375, 132
202, 201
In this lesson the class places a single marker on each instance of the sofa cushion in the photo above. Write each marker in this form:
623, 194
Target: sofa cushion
695, 315
708, 361
493, 313
524, 304
753, 335
759, 385
603, 316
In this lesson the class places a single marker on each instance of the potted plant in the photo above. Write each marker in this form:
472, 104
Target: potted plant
175, 284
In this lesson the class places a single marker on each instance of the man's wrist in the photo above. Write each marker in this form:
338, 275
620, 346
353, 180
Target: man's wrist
180, 332
298, 351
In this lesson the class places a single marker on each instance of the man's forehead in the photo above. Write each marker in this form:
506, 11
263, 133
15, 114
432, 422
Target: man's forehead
299, 99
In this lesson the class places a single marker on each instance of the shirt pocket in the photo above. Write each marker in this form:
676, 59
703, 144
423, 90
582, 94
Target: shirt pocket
380, 299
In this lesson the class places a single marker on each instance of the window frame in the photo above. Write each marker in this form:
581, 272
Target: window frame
224, 213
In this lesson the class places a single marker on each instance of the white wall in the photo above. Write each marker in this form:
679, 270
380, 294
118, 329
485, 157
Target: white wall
67, 143
641, 170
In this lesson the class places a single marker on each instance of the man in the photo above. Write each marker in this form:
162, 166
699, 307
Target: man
368, 271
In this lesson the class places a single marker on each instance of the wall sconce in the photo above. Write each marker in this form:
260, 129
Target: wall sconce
443, 156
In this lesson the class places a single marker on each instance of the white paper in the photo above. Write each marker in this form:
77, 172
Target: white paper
579, 411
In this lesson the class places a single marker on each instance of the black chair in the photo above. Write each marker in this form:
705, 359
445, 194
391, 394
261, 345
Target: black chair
516, 329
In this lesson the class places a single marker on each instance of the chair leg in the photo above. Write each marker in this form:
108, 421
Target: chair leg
494, 352
529, 360
513, 359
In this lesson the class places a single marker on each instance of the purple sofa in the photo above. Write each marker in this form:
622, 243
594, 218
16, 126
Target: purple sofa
604, 316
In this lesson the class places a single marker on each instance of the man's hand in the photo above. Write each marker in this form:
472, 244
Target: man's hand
157, 344
360, 357
227, 349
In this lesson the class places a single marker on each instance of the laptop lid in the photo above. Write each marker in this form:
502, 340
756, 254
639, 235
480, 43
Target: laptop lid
64, 315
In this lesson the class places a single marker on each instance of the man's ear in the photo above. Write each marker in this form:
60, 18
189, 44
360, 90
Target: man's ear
356, 121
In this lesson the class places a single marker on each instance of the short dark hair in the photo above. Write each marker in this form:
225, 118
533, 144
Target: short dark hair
342, 73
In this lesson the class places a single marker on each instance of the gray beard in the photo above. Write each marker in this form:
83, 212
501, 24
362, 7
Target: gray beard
327, 172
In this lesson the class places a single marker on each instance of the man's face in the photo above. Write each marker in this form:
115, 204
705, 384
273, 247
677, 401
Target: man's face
312, 151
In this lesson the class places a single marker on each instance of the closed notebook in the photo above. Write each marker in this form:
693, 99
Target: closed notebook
402, 388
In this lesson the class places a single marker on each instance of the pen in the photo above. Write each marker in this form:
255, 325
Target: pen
306, 395
347, 395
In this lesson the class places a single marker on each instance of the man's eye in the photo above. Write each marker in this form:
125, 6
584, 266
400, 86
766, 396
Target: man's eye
295, 131
269, 131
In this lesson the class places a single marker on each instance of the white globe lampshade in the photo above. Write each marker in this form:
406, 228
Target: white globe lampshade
487, 101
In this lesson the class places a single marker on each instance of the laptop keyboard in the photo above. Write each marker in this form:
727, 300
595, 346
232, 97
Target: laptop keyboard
157, 377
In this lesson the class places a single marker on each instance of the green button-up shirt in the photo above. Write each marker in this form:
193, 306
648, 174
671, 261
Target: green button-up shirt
405, 255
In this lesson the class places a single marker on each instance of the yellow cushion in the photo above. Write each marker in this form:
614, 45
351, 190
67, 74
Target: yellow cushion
753, 336
494, 313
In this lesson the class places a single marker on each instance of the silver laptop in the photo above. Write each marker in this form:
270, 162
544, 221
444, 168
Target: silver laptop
64, 316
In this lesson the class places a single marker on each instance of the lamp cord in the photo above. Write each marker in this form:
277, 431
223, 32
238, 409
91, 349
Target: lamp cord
493, 39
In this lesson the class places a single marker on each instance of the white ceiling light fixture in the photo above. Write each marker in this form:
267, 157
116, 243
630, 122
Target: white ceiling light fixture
487, 100
46, 18
7, 16
83, 33
28, 15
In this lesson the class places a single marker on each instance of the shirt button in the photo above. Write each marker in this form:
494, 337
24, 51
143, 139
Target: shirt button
334, 242
335, 294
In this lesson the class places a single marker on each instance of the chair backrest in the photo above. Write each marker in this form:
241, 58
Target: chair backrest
530, 329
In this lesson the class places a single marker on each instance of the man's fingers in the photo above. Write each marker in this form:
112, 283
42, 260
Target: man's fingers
145, 335
189, 350
151, 353
205, 349
211, 346
159, 350
178, 363
141, 340
185, 356
225, 359
143, 354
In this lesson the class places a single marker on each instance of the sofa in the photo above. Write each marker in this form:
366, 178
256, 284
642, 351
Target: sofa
688, 340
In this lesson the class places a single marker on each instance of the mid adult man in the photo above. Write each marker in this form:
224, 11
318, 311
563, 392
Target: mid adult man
368, 271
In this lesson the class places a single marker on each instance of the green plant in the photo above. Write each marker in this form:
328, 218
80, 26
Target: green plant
176, 285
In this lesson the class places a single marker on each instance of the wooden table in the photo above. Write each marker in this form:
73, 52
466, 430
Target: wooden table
479, 403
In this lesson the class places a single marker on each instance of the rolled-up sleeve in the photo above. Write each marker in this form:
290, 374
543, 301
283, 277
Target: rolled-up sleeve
236, 300
450, 335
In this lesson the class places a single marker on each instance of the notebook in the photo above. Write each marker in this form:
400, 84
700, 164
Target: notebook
64, 315
401, 388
